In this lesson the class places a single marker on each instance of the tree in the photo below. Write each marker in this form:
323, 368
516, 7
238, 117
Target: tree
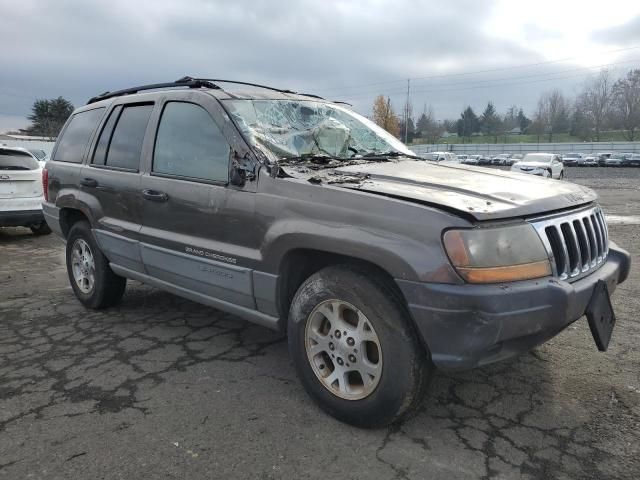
626, 104
552, 114
384, 116
523, 121
468, 123
594, 102
427, 127
48, 116
490, 123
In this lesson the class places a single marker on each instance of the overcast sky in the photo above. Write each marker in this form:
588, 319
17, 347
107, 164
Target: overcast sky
347, 50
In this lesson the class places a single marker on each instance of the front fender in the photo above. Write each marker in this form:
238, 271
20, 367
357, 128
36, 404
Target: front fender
400, 257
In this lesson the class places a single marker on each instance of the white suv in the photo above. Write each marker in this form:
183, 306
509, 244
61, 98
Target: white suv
21, 190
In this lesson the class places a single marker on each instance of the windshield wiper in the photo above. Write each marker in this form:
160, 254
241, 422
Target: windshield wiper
389, 154
320, 158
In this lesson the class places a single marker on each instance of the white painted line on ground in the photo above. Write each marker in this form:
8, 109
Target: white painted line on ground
623, 219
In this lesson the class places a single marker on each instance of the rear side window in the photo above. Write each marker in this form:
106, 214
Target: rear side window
76, 136
190, 144
121, 146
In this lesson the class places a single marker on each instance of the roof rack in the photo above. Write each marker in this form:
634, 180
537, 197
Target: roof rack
191, 82
236, 82
183, 82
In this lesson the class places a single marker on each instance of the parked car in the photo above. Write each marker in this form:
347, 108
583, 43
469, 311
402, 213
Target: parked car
462, 158
441, 157
632, 160
21, 191
614, 160
484, 160
291, 212
588, 161
546, 165
602, 156
571, 159
502, 159
472, 160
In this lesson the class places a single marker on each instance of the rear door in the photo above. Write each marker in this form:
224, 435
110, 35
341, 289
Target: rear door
197, 228
112, 178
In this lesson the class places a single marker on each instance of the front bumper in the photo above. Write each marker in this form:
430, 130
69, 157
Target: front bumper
469, 325
20, 218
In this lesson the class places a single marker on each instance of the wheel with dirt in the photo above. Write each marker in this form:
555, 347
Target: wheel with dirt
355, 349
92, 280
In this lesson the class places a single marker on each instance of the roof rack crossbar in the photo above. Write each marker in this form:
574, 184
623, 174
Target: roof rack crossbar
183, 82
236, 82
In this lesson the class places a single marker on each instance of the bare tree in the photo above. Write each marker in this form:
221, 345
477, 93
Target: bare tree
626, 104
594, 102
552, 114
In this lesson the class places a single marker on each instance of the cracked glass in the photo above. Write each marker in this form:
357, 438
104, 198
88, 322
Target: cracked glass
298, 128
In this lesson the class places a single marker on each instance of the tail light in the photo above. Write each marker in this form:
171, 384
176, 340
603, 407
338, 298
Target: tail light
45, 184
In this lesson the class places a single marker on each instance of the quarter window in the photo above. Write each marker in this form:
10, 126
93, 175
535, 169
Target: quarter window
76, 136
190, 144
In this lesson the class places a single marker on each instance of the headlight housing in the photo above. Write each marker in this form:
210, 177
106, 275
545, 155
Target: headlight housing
495, 255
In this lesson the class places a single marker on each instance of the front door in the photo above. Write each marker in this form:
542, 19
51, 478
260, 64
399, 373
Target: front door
193, 235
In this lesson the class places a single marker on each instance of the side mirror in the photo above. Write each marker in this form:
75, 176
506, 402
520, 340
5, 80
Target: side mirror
242, 170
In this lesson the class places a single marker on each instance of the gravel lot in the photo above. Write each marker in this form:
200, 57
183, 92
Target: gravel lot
164, 388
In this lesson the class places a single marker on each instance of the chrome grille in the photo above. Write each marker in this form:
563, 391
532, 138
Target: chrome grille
577, 243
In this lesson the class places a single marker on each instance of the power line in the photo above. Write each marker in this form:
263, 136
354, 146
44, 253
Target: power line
491, 70
493, 82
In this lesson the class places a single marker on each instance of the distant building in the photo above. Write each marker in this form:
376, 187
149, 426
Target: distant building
515, 131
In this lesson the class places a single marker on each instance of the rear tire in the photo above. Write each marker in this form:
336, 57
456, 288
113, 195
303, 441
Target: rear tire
40, 228
561, 177
370, 371
91, 278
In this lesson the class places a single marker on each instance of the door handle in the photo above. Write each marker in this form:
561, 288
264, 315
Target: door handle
89, 182
155, 195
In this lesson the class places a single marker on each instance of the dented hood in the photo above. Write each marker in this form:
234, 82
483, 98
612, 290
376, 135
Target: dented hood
485, 194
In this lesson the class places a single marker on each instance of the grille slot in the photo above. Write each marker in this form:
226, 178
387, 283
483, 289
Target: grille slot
577, 243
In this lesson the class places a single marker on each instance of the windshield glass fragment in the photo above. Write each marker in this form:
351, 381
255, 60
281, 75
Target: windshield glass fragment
304, 130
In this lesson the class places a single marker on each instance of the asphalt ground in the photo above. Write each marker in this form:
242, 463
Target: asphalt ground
161, 387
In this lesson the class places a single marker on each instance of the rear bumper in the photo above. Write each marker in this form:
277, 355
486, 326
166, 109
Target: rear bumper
52, 216
20, 218
469, 325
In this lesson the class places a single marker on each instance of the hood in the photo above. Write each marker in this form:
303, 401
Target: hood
478, 192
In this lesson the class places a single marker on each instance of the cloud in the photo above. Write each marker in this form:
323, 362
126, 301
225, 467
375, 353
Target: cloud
78, 48
622, 35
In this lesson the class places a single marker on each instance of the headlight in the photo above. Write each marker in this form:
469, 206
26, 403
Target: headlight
494, 255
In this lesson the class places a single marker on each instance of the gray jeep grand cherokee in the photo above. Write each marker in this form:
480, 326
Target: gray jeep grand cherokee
300, 215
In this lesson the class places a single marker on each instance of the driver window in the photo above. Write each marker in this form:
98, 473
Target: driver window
190, 144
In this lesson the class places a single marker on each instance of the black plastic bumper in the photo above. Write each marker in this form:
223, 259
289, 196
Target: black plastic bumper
469, 325
20, 218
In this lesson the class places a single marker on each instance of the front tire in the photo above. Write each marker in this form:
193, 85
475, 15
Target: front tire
561, 177
355, 349
91, 278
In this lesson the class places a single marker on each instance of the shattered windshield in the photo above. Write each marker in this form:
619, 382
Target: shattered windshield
301, 128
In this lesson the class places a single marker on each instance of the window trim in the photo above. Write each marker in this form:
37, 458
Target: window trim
122, 107
152, 173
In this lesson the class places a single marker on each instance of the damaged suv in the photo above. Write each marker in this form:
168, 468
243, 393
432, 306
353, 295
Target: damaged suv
302, 216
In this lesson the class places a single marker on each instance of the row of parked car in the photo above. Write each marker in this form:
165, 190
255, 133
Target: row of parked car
602, 159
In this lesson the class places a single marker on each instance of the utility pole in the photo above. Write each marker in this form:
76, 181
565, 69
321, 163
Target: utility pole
406, 114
